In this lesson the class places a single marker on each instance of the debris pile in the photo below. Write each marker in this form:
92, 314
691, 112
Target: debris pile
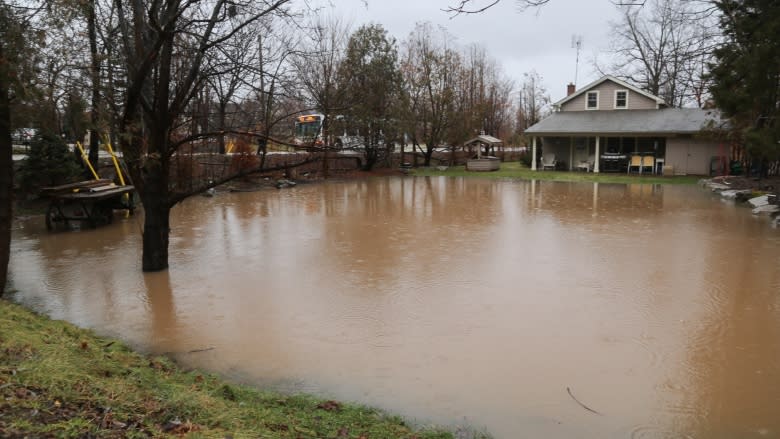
760, 195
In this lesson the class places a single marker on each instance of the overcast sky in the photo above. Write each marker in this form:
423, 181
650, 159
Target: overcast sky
538, 39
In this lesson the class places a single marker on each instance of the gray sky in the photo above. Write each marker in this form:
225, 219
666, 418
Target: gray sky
538, 39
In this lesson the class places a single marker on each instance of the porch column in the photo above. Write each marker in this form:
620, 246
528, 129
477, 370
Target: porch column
597, 157
571, 153
533, 153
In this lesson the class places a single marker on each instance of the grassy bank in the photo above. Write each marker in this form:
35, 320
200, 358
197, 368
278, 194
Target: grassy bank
516, 170
57, 380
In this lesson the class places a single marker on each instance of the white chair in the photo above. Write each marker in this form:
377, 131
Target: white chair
586, 165
548, 161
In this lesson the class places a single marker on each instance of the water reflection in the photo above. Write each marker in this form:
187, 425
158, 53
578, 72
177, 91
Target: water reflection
452, 299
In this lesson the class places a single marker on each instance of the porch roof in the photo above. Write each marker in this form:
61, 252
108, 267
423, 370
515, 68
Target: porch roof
626, 122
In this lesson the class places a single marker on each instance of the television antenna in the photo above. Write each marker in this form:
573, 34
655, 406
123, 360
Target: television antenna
576, 43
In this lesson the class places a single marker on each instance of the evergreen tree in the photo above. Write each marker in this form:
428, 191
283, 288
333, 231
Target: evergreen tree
16, 68
746, 75
370, 75
49, 163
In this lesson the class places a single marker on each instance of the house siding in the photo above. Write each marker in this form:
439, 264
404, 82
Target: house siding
690, 155
606, 91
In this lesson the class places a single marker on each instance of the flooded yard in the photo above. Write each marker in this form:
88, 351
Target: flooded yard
504, 305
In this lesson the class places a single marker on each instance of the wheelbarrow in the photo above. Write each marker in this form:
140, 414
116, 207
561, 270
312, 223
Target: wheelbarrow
90, 202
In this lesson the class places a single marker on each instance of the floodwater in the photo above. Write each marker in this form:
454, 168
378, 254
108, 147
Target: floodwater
507, 306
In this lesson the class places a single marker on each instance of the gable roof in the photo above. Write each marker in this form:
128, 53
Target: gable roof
484, 138
605, 78
591, 123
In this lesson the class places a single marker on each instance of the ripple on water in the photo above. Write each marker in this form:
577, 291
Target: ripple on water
682, 411
717, 297
56, 286
656, 357
656, 432
351, 327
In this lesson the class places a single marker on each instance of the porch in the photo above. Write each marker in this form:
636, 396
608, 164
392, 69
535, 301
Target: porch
626, 154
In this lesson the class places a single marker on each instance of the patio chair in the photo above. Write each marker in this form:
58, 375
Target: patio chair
636, 162
548, 161
648, 164
586, 165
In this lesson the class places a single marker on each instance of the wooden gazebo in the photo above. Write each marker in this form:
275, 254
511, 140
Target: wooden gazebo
484, 162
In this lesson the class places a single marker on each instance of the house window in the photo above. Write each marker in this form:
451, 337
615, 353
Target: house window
592, 100
621, 99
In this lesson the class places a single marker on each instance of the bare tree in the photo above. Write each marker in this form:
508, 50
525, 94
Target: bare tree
430, 69
273, 82
165, 46
664, 49
479, 6
533, 101
228, 65
317, 66
483, 102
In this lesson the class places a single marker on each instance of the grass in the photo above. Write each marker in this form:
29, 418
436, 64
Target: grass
515, 170
57, 380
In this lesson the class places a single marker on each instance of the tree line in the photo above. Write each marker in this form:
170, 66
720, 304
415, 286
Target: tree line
166, 82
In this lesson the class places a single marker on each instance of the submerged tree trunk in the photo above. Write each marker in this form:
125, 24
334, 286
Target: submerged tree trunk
156, 233
156, 217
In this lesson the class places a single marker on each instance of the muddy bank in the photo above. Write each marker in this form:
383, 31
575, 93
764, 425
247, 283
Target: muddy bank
88, 386
769, 184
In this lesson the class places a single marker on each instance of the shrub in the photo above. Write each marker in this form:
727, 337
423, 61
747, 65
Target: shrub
525, 158
49, 163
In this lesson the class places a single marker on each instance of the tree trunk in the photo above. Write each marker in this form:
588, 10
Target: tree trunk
95, 73
403, 145
222, 117
428, 153
6, 172
156, 221
326, 143
154, 177
371, 153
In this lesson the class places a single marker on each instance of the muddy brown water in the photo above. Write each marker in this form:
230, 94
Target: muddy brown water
452, 301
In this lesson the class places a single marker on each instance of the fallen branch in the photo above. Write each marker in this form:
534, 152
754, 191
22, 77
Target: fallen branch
583, 405
195, 351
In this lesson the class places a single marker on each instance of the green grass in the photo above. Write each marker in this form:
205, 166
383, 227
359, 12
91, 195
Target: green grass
515, 170
57, 380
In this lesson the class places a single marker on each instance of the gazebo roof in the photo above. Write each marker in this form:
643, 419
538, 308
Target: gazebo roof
484, 138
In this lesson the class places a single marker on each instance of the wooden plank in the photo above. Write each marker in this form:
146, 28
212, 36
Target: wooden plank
65, 188
97, 196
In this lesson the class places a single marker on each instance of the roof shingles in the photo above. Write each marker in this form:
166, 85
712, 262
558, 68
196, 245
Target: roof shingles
644, 122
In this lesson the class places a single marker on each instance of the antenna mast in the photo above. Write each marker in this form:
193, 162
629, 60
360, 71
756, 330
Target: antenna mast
576, 43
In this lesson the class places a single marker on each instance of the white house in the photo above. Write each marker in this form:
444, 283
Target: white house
609, 123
